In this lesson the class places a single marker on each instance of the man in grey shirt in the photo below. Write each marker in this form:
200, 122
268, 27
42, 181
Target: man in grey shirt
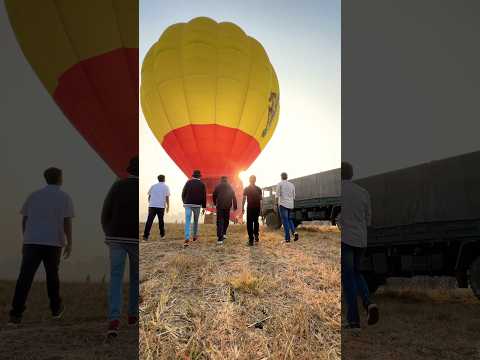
285, 196
47, 221
354, 219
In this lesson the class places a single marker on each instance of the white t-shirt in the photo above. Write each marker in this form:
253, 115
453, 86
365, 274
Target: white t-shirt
46, 210
286, 194
356, 214
158, 194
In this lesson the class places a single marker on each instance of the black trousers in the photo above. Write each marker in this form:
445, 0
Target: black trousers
152, 212
223, 219
33, 255
252, 223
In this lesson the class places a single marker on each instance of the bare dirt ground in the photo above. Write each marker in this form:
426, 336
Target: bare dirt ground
421, 319
272, 301
79, 335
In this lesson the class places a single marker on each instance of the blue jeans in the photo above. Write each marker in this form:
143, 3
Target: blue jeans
188, 220
118, 255
353, 283
288, 225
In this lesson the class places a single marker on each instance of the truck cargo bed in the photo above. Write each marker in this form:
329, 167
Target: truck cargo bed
321, 185
439, 191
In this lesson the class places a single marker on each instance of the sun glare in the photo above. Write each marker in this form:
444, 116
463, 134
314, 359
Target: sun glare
243, 175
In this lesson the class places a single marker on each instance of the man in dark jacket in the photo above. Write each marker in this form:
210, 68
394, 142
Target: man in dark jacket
223, 198
120, 224
194, 196
253, 195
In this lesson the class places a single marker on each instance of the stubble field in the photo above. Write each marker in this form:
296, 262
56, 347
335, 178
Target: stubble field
421, 319
79, 335
271, 301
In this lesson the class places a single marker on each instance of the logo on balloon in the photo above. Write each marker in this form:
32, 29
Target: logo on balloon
272, 110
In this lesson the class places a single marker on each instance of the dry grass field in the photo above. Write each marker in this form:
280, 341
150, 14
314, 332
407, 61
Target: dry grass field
424, 319
272, 301
79, 335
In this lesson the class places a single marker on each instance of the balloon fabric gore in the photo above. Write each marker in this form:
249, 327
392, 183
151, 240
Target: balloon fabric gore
86, 55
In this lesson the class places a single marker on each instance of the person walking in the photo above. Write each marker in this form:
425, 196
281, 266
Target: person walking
47, 221
252, 194
120, 225
159, 203
355, 217
194, 196
223, 199
285, 200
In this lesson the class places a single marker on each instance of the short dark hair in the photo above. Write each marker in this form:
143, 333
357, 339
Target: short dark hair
284, 176
161, 178
133, 167
52, 175
347, 171
252, 178
224, 179
196, 174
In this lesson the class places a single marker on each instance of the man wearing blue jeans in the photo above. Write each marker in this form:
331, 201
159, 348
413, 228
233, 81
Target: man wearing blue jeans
120, 224
286, 199
194, 197
355, 216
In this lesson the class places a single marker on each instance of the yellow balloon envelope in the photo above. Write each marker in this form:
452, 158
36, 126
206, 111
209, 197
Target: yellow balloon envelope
210, 95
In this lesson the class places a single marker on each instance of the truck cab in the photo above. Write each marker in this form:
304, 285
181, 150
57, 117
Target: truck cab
269, 209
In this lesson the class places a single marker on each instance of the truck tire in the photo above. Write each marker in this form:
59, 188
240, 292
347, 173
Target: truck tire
272, 220
373, 282
475, 277
297, 223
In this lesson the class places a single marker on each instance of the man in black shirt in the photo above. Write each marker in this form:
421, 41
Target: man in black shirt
223, 198
253, 195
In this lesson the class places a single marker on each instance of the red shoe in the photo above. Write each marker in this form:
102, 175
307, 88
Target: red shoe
113, 327
132, 320
195, 238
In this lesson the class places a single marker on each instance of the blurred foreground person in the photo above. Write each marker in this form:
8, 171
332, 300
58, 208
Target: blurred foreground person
159, 203
355, 216
286, 199
252, 194
194, 196
223, 199
120, 224
47, 221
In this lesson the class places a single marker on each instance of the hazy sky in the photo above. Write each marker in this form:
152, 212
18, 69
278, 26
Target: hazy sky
302, 40
410, 91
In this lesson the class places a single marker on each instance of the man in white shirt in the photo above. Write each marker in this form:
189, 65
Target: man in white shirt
47, 221
159, 203
285, 201
354, 219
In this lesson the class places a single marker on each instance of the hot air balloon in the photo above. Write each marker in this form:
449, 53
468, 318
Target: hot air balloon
85, 53
211, 97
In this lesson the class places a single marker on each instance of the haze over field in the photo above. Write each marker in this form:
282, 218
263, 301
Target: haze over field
34, 135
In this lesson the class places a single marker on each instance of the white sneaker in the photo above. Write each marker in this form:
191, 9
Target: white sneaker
220, 242
162, 237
